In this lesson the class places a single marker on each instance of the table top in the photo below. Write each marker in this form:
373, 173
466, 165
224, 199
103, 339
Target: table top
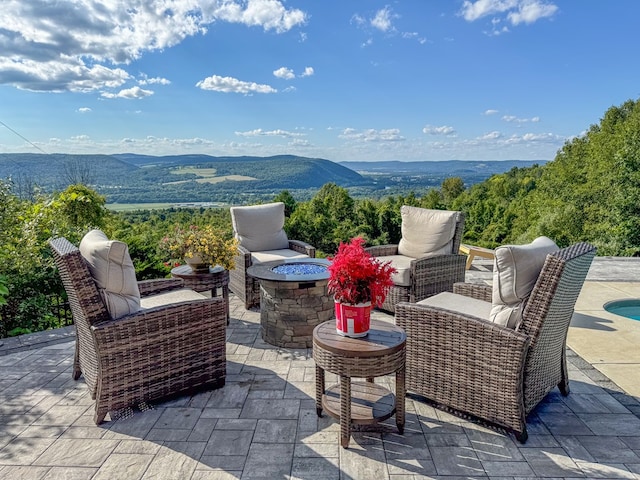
264, 270
184, 271
383, 339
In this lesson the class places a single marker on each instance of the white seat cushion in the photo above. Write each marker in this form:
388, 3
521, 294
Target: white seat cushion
460, 304
426, 232
112, 269
260, 227
402, 264
272, 255
515, 271
172, 296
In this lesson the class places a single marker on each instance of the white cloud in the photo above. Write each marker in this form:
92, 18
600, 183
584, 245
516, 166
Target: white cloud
515, 11
443, 130
233, 85
514, 119
78, 45
84, 110
129, 93
383, 19
153, 81
284, 72
258, 132
490, 112
371, 135
308, 71
491, 136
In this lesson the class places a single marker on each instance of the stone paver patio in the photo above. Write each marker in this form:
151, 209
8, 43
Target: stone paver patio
263, 424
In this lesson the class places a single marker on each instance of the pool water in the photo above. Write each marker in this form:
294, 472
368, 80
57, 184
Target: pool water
626, 308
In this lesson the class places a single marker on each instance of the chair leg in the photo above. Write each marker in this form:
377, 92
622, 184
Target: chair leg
98, 417
522, 436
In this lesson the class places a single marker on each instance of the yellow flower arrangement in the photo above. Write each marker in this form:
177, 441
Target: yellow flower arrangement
207, 243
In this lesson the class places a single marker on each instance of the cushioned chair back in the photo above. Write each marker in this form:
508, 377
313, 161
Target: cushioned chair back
547, 316
260, 227
86, 303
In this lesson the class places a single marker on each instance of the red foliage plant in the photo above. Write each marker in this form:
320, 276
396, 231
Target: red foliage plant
355, 276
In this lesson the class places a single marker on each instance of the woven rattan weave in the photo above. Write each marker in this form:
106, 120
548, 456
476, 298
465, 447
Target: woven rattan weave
491, 372
151, 354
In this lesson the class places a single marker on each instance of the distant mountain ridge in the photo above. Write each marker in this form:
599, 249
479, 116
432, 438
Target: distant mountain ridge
134, 178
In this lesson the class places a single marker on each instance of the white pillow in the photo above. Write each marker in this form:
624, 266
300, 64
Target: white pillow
426, 232
515, 271
260, 227
112, 269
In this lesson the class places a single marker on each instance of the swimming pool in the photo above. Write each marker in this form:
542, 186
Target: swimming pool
629, 308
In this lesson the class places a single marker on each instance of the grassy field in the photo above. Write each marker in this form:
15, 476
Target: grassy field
207, 175
129, 207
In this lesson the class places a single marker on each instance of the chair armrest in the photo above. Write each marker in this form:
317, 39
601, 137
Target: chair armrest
478, 291
382, 250
159, 285
302, 247
461, 360
243, 259
432, 275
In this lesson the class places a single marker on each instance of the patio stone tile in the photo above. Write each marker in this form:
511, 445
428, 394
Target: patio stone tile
137, 447
565, 424
309, 468
603, 470
224, 462
540, 441
492, 447
275, 431
215, 475
221, 413
495, 469
325, 450
202, 430
268, 461
232, 395
359, 462
138, 425
83, 432
552, 462
612, 423
456, 461
229, 442
123, 465
447, 440
168, 435
608, 449
70, 473
268, 382
61, 415
574, 447
185, 418
77, 452
24, 451
23, 472
43, 431
168, 464
300, 390
282, 409
236, 424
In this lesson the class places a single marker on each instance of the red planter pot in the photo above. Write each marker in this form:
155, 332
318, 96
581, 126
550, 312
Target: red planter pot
353, 320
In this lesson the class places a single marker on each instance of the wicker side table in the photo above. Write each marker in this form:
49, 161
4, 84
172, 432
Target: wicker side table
381, 352
201, 282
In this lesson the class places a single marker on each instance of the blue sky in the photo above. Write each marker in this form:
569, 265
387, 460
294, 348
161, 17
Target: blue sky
342, 80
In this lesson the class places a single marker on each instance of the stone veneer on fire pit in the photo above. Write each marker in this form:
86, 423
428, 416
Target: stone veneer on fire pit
293, 300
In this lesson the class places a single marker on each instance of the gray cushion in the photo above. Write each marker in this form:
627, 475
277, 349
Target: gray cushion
402, 264
515, 272
460, 304
112, 269
260, 227
426, 232
172, 296
271, 255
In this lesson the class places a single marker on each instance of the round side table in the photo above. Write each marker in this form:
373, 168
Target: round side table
215, 279
381, 352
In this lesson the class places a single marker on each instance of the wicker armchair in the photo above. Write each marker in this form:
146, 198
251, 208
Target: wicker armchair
490, 372
427, 275
259, 229
151, 354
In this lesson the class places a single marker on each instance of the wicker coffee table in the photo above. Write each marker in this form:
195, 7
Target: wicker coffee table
381, 352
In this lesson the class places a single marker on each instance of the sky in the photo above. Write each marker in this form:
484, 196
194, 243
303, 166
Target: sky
356, 80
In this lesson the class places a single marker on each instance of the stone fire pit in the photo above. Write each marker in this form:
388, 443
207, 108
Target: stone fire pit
293, 300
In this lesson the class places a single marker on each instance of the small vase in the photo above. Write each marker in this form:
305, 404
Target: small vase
353, 320
196, 264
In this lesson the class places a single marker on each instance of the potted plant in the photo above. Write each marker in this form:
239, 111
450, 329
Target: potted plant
200, 247
357, 280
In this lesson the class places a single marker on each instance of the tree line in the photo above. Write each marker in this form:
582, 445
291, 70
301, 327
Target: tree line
589, 192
